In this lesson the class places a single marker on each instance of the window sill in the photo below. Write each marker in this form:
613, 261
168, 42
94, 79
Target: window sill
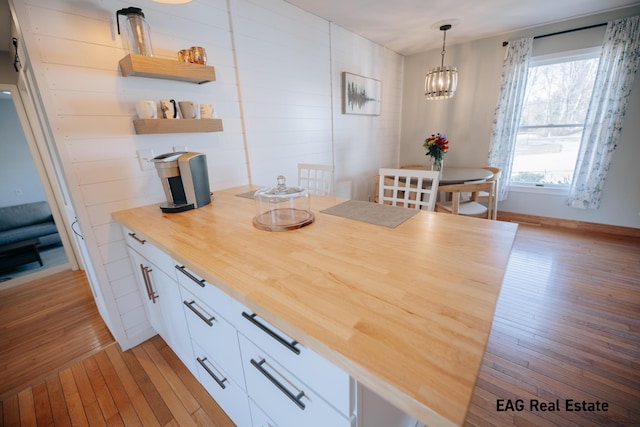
551, 190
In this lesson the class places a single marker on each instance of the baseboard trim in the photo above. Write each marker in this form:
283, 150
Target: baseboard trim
537, 220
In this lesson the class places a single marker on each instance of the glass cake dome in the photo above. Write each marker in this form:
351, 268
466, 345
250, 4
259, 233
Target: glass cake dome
282, 208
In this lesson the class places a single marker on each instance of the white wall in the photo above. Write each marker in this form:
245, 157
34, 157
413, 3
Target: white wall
277, 93
363, 144
467, 120
19, 181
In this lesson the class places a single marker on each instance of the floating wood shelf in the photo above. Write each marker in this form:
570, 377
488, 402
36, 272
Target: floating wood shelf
149, 126
161, 68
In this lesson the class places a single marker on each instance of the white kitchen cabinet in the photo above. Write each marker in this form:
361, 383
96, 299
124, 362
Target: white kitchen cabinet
284, 397
221, 386
374, 411
140, 244
329, 394
143, 268
161, 295
330, 382
259, 418
217, 337
206, 292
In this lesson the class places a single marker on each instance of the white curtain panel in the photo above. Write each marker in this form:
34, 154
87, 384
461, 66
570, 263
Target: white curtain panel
614, 79
515, 71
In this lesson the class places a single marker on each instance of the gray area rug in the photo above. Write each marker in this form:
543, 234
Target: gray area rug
373, 213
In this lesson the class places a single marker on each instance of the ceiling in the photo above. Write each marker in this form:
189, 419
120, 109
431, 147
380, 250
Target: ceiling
412, 26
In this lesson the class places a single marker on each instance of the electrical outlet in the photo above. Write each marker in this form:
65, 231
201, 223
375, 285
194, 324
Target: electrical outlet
178, 148
145, 159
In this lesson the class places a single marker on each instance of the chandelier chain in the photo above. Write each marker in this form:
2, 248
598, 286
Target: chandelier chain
444, 29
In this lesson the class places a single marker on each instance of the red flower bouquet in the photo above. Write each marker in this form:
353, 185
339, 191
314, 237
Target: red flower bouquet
436, 146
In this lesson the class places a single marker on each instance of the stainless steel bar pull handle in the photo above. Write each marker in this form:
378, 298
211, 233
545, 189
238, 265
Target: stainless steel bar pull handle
290, 345
210, 372
295, 398
151, 294
205, 319
184, 271
145, 279
136, 238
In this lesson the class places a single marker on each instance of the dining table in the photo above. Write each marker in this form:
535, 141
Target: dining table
461, 175
457, 175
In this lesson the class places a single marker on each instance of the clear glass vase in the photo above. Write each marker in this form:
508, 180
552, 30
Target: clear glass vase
436, 164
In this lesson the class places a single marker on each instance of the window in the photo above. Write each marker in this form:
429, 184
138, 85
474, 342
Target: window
554, 110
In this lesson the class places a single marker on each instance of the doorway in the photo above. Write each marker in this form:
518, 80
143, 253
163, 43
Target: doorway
30, 243
20, 80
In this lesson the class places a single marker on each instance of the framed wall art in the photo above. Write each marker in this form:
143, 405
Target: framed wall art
360, 95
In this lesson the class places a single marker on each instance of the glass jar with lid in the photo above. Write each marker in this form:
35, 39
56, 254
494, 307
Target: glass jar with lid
282, 208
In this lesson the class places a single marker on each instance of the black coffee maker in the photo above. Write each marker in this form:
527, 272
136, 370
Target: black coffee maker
185, 180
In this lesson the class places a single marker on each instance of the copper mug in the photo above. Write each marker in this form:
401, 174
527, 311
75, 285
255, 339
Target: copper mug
184, 55
198, 55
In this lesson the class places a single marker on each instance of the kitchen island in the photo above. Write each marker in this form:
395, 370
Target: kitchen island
404, 311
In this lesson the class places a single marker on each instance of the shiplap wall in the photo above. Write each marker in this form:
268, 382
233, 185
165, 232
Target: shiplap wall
277, 92
284, 74
90, 107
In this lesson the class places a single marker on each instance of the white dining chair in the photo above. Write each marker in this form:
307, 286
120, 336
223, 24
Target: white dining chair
409, 188
318, 179
483, 196
458, 205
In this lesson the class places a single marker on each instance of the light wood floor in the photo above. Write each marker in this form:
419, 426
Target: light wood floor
45, 325
567, 326
145, 386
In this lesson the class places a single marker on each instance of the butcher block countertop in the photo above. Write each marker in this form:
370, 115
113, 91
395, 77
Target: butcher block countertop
406, 311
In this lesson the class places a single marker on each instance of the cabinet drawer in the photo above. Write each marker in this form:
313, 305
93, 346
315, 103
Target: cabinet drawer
208, 293
140, 244
214, 335
283, 397
330, 382
259, 418
231, 398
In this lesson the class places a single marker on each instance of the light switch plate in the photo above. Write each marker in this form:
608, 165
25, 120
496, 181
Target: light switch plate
145, 158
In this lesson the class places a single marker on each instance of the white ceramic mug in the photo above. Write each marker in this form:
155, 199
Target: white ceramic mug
188, 109
206, 111
169, 108
147, 109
